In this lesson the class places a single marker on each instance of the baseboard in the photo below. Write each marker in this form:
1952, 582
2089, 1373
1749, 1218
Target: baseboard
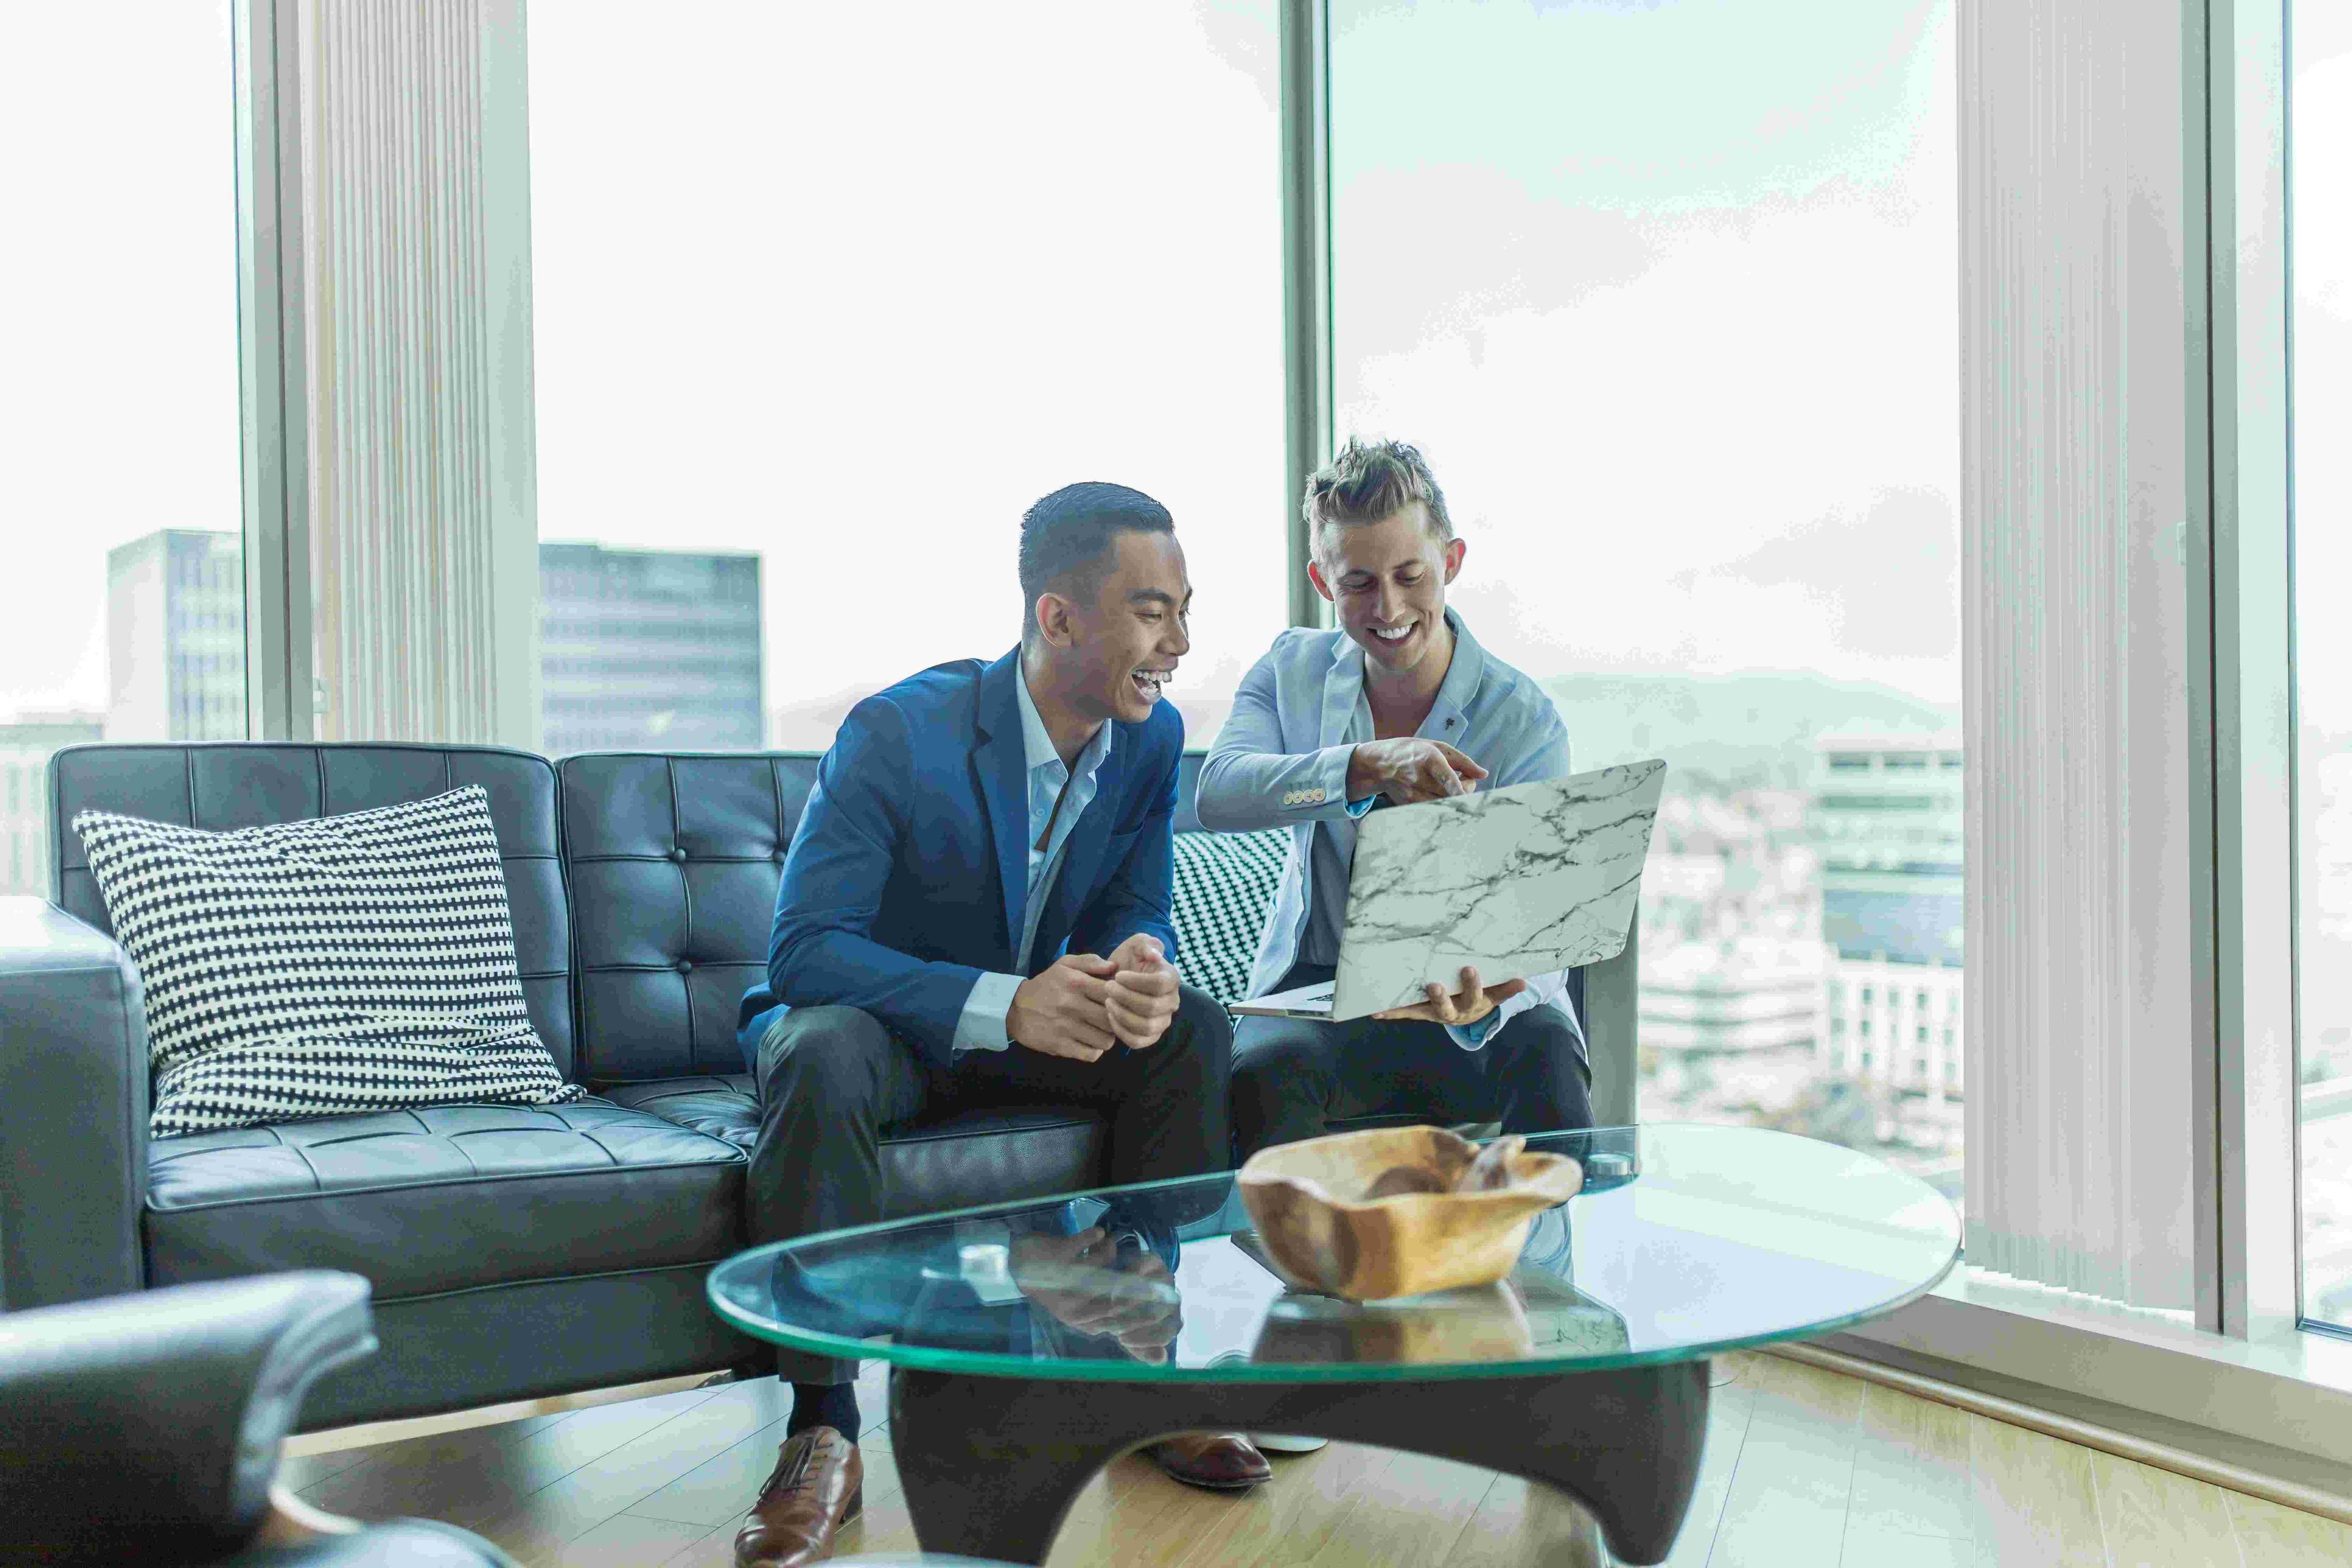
369, 1432
2277, 1475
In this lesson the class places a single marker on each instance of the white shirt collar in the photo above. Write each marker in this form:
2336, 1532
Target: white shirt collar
1037, 746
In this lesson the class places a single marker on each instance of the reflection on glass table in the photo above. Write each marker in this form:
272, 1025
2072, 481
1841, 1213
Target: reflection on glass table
1687, 1241
1033, 1343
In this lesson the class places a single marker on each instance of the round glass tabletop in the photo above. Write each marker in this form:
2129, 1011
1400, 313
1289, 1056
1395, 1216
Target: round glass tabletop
1686, 1241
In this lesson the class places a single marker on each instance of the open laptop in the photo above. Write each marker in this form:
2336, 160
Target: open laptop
1517, 881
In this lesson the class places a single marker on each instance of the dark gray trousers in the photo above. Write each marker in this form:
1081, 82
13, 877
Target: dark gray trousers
831, 1079
1293, 1077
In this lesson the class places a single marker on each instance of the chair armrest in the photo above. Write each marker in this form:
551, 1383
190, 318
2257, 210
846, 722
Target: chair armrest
146, 1428
404, 1543
73, 1109
1612, 1010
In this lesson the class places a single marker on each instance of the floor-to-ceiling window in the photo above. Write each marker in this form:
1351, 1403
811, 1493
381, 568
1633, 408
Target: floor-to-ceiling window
1667, 293
2319, 168
826, 295
122, 607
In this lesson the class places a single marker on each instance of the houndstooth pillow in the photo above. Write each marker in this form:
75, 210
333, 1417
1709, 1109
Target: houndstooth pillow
1225, 886
308, 969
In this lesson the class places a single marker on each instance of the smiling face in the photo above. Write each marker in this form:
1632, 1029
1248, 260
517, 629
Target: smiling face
1387, 581
1110, 655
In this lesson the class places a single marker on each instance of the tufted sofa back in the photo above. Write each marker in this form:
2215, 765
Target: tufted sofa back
675, 861
643, 885
237, 783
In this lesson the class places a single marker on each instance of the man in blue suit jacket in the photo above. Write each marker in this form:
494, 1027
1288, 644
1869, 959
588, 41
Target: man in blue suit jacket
975, 911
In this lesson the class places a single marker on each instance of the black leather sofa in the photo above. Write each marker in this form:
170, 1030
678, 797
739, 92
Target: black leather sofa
514, 1252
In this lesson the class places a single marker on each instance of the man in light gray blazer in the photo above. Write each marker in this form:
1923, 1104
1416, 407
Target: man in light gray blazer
1399, 705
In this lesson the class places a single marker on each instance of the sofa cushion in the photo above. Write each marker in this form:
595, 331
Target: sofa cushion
224, 785
955, 1161
1225, 886
328, 966
444, 1199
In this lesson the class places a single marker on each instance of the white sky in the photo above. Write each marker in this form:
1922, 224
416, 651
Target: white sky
118, 413
1666, 288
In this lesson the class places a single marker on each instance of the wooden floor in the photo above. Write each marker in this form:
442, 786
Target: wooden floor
1803, 1467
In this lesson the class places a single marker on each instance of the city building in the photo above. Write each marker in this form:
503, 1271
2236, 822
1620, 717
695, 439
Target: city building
648, 647
1888, 822
26, 746
1744, 993
176, 637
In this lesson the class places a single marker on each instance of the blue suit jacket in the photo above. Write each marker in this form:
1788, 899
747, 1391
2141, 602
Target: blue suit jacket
906, 876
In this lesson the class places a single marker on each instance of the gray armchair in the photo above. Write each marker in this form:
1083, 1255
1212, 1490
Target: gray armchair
145, 1428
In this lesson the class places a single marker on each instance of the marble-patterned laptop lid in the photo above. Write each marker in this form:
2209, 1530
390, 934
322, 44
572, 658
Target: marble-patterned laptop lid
1520, 881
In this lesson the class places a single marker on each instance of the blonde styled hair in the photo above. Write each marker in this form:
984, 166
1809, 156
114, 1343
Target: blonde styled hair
1369, 480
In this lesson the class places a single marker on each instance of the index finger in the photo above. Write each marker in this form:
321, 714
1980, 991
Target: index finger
1159, 982
1461, 761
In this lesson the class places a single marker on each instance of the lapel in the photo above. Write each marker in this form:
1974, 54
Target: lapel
1341, 688
1445, 721
1000, 766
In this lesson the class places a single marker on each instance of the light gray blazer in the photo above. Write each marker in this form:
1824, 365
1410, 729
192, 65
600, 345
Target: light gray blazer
1281, 761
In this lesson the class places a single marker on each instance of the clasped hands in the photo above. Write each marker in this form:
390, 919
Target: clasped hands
1083, 1282
1083, 1004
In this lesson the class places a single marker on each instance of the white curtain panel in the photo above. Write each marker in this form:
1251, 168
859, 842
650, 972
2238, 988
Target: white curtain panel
412, 390
2077, 463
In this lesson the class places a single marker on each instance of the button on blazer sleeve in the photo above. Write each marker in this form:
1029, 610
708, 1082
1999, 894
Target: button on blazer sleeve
1256, 777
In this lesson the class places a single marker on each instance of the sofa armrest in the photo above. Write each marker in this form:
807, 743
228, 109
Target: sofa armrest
73, 1109
146, 1428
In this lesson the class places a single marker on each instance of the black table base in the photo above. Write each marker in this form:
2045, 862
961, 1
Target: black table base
990, 1464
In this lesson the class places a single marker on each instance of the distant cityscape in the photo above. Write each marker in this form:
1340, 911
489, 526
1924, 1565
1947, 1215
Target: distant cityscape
1803, 952
1801, 924
653, 648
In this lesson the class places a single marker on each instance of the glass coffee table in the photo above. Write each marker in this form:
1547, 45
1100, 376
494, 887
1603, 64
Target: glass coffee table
1032, 1343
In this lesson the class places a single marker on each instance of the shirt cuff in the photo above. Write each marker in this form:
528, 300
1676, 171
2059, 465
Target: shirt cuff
1472, 1037
980, 1025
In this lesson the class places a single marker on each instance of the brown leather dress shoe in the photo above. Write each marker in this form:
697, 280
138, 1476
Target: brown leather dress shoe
818, 1485
1221, 1462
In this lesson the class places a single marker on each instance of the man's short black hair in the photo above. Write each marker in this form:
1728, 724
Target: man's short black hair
1066, 539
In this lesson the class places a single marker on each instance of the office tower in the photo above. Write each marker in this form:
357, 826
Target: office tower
649, 648
176, 637
1887, 820
25, 749
1753, 993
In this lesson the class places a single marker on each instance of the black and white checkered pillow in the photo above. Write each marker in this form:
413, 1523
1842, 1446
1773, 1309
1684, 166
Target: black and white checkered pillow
1225, 886
307, 969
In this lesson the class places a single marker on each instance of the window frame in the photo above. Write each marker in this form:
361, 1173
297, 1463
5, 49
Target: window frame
2247, 1372
2248, 1351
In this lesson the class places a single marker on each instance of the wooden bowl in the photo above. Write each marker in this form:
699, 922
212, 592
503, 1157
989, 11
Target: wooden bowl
1318, 1222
